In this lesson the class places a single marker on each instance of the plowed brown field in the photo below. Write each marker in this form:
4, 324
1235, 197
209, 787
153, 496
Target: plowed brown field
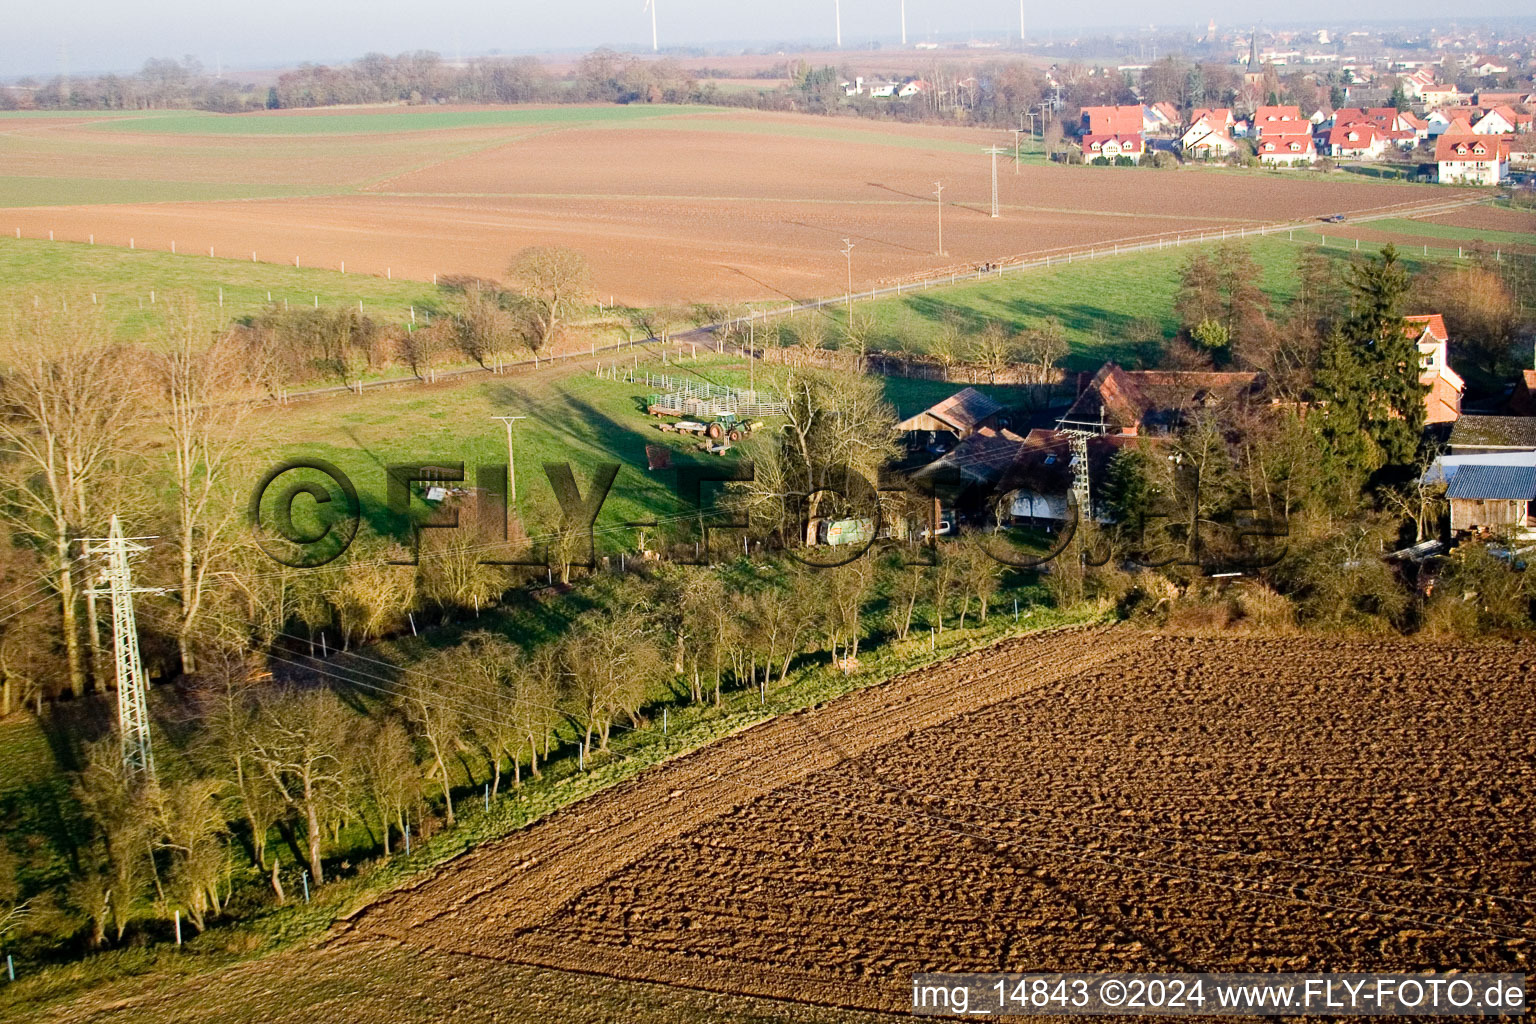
1081, 799
685, 207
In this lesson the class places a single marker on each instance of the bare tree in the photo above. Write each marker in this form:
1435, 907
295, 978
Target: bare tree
611, 658
430, 699
197, 379
554, 282
191, 829
389, 776
298, 742
68, 398
117, 874
994, 350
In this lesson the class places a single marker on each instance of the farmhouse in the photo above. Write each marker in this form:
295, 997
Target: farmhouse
980, 460
1279, 150
1443, 402
1471, 159
1133, 403
1040, 476
954, 419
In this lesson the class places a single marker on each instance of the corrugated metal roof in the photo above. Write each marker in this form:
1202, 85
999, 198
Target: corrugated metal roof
1494, 483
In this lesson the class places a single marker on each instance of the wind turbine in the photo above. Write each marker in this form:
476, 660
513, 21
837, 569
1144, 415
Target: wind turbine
650, 5
1021, 21
838, 11
903, 22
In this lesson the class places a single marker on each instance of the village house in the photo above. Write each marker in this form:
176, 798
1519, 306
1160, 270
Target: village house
1522, 400
1282, 120
1121, 120
1417, 82
1441, 96
1207, 145
1278, 150
1522, 152
1483, 66
1165, 115
1442, 403
1356, 142
1504, 99
1111, 147
1217, 118
1113, 132
1471, 159
1452, 120
1501, 121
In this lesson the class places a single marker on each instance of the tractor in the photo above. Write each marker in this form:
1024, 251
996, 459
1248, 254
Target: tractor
726, 426
729, 426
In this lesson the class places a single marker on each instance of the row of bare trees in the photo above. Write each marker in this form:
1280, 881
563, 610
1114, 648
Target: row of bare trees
485, 322
319, 772
155, 432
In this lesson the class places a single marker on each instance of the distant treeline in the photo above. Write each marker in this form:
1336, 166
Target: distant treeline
1005, 92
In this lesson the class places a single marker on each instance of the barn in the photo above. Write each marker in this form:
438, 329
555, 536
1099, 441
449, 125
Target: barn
953, 420
1491, 499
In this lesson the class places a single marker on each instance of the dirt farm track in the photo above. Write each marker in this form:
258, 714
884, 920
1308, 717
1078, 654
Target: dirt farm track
1084, 799
669, 204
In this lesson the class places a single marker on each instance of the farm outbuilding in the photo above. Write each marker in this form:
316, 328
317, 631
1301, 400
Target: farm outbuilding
1491, 498
961, 414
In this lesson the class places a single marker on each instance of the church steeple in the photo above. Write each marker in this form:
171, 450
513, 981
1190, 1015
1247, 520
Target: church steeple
1253, 50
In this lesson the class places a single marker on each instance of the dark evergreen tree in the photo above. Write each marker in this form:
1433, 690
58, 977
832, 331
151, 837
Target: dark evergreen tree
1373, 416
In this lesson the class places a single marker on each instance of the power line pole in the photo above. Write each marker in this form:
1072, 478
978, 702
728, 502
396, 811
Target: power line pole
994, 151
848, 255
511, 461
938, 191
1018, 134
132, 705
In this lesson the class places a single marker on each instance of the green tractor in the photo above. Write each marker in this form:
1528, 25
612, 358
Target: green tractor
729, 426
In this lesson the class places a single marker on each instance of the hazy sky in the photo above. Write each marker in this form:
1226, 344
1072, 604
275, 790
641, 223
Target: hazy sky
121, 34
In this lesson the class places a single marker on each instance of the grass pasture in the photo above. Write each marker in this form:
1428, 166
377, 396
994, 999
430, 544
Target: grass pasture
122, 280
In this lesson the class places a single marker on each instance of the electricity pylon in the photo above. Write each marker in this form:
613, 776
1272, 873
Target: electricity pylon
132, 706
994, 151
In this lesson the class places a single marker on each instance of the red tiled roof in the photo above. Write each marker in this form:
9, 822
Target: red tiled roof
1300, 142
1219, 117
1453, 148
1364, 135
1211, 138
1432, 322
1128, 142
1123, 120
1281, 113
